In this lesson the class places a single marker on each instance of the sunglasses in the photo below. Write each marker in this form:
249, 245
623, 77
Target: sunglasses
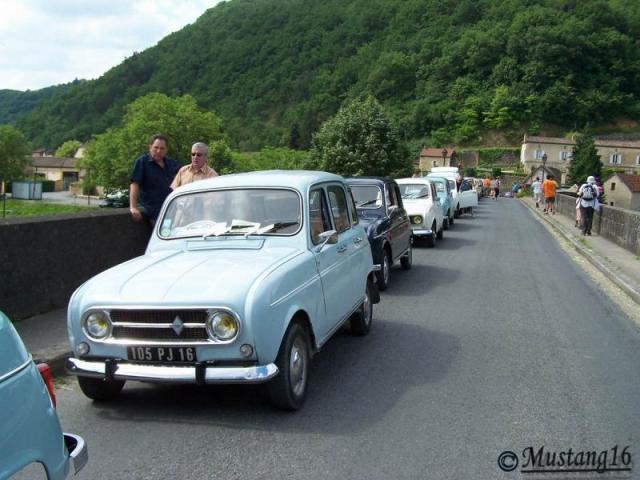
197, 154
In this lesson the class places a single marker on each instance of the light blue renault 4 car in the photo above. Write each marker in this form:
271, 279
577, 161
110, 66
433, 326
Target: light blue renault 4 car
32, 445
245, 277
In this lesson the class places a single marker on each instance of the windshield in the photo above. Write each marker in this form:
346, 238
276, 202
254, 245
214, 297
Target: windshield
367, 196
233, 212
414, 190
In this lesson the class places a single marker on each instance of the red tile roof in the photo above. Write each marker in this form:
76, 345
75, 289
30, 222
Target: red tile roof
631, 181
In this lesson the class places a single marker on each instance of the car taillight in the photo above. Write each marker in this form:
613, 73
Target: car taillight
47, 376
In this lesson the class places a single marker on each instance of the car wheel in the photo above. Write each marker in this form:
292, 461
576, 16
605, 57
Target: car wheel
407, 259
458, 212
361, 320
441, 233
445, 223
382, 277
431, 239
99, 389
451, 220
288, 390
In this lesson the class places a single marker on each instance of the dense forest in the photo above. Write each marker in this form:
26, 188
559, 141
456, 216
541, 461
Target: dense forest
446, 70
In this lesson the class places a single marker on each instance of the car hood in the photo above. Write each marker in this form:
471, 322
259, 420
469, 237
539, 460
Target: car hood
416, 207
184, 277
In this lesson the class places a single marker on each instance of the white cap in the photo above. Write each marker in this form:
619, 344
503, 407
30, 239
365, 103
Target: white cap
591, 179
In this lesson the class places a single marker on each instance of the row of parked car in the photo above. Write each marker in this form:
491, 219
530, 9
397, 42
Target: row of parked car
244, 279
397, 213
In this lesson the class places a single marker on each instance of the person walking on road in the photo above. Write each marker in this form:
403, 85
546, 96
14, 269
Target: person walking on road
151, 180
588, 194
549, 187
496, 189
536, 188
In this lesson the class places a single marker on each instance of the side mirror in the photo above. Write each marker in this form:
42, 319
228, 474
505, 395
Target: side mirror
329, 237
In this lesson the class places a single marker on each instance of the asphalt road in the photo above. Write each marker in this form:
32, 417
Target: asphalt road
494, 341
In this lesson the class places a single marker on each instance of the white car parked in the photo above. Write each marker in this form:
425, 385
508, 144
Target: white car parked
425, 213
464, 199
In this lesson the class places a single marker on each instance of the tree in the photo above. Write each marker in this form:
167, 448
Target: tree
496, 172
110, 155
14, 153
360, 140
585, 160
68, 148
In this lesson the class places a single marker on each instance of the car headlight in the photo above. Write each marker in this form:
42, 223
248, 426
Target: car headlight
416, 219
98, 324
222, 326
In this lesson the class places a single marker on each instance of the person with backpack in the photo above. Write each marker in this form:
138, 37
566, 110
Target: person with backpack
588, 194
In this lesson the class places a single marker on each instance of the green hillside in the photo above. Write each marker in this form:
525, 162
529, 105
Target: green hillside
449, 71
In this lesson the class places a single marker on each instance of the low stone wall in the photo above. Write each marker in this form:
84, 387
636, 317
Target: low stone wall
43, 260
619, 225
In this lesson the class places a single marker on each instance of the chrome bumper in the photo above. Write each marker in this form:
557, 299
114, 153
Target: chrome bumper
78, 453
170, 374
419, 232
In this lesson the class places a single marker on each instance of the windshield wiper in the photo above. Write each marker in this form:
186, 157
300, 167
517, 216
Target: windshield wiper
277, 226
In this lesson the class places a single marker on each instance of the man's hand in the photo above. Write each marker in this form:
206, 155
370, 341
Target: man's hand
136, 215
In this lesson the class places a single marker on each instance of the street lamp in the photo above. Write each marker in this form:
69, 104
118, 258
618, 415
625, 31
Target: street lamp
444, 157
544, 163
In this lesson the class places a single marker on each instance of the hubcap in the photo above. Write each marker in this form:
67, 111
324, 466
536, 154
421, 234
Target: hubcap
298, 366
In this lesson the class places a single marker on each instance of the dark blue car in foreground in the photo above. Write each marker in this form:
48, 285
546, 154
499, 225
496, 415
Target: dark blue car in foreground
382, 214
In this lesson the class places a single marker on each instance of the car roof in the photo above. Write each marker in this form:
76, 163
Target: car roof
298, 179
369, 180
413, 180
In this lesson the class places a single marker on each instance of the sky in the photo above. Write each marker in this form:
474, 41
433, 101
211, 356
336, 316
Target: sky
49, 42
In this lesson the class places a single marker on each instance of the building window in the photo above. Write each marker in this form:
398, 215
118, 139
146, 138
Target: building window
613, 186
537, 155
565, 155
638, 160
615, 158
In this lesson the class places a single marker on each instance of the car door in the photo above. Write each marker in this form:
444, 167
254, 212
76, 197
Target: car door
468, 195
399, 220
328, 210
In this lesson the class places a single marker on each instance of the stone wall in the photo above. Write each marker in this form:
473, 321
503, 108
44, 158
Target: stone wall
619, 225
43, 260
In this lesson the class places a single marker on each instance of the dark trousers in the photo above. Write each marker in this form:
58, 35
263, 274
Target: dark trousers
586, 217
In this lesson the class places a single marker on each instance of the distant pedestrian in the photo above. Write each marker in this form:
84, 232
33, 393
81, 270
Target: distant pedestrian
588, 194
549, 187
536, 188
486, 186
197, 169
151, 180
496, 189
493, 183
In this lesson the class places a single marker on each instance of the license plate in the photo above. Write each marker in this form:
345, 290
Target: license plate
162, 354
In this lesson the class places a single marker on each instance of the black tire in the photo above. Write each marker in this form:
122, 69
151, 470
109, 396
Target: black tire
451, 220
382, 277
457, 212
99, 389
362, 319
407, 259
441, 233
288, 389
445, 223
431, 239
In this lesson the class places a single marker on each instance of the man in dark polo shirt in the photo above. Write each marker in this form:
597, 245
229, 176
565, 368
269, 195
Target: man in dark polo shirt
151, 180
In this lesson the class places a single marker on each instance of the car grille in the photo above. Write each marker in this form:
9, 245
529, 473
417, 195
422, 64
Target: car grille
158, 326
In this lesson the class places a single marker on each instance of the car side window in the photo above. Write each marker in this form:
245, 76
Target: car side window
339, 208
354, 213
319, 218
392, 198
434, 194
465, 186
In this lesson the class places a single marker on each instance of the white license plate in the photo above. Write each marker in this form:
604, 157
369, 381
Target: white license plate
162, 354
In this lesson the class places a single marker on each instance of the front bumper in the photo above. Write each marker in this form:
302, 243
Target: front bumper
421, 232
200, 373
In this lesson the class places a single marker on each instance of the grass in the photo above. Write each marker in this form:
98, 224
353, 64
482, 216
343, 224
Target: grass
36, 208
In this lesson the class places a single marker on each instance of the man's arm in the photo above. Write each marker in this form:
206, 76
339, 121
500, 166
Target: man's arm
134, 192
